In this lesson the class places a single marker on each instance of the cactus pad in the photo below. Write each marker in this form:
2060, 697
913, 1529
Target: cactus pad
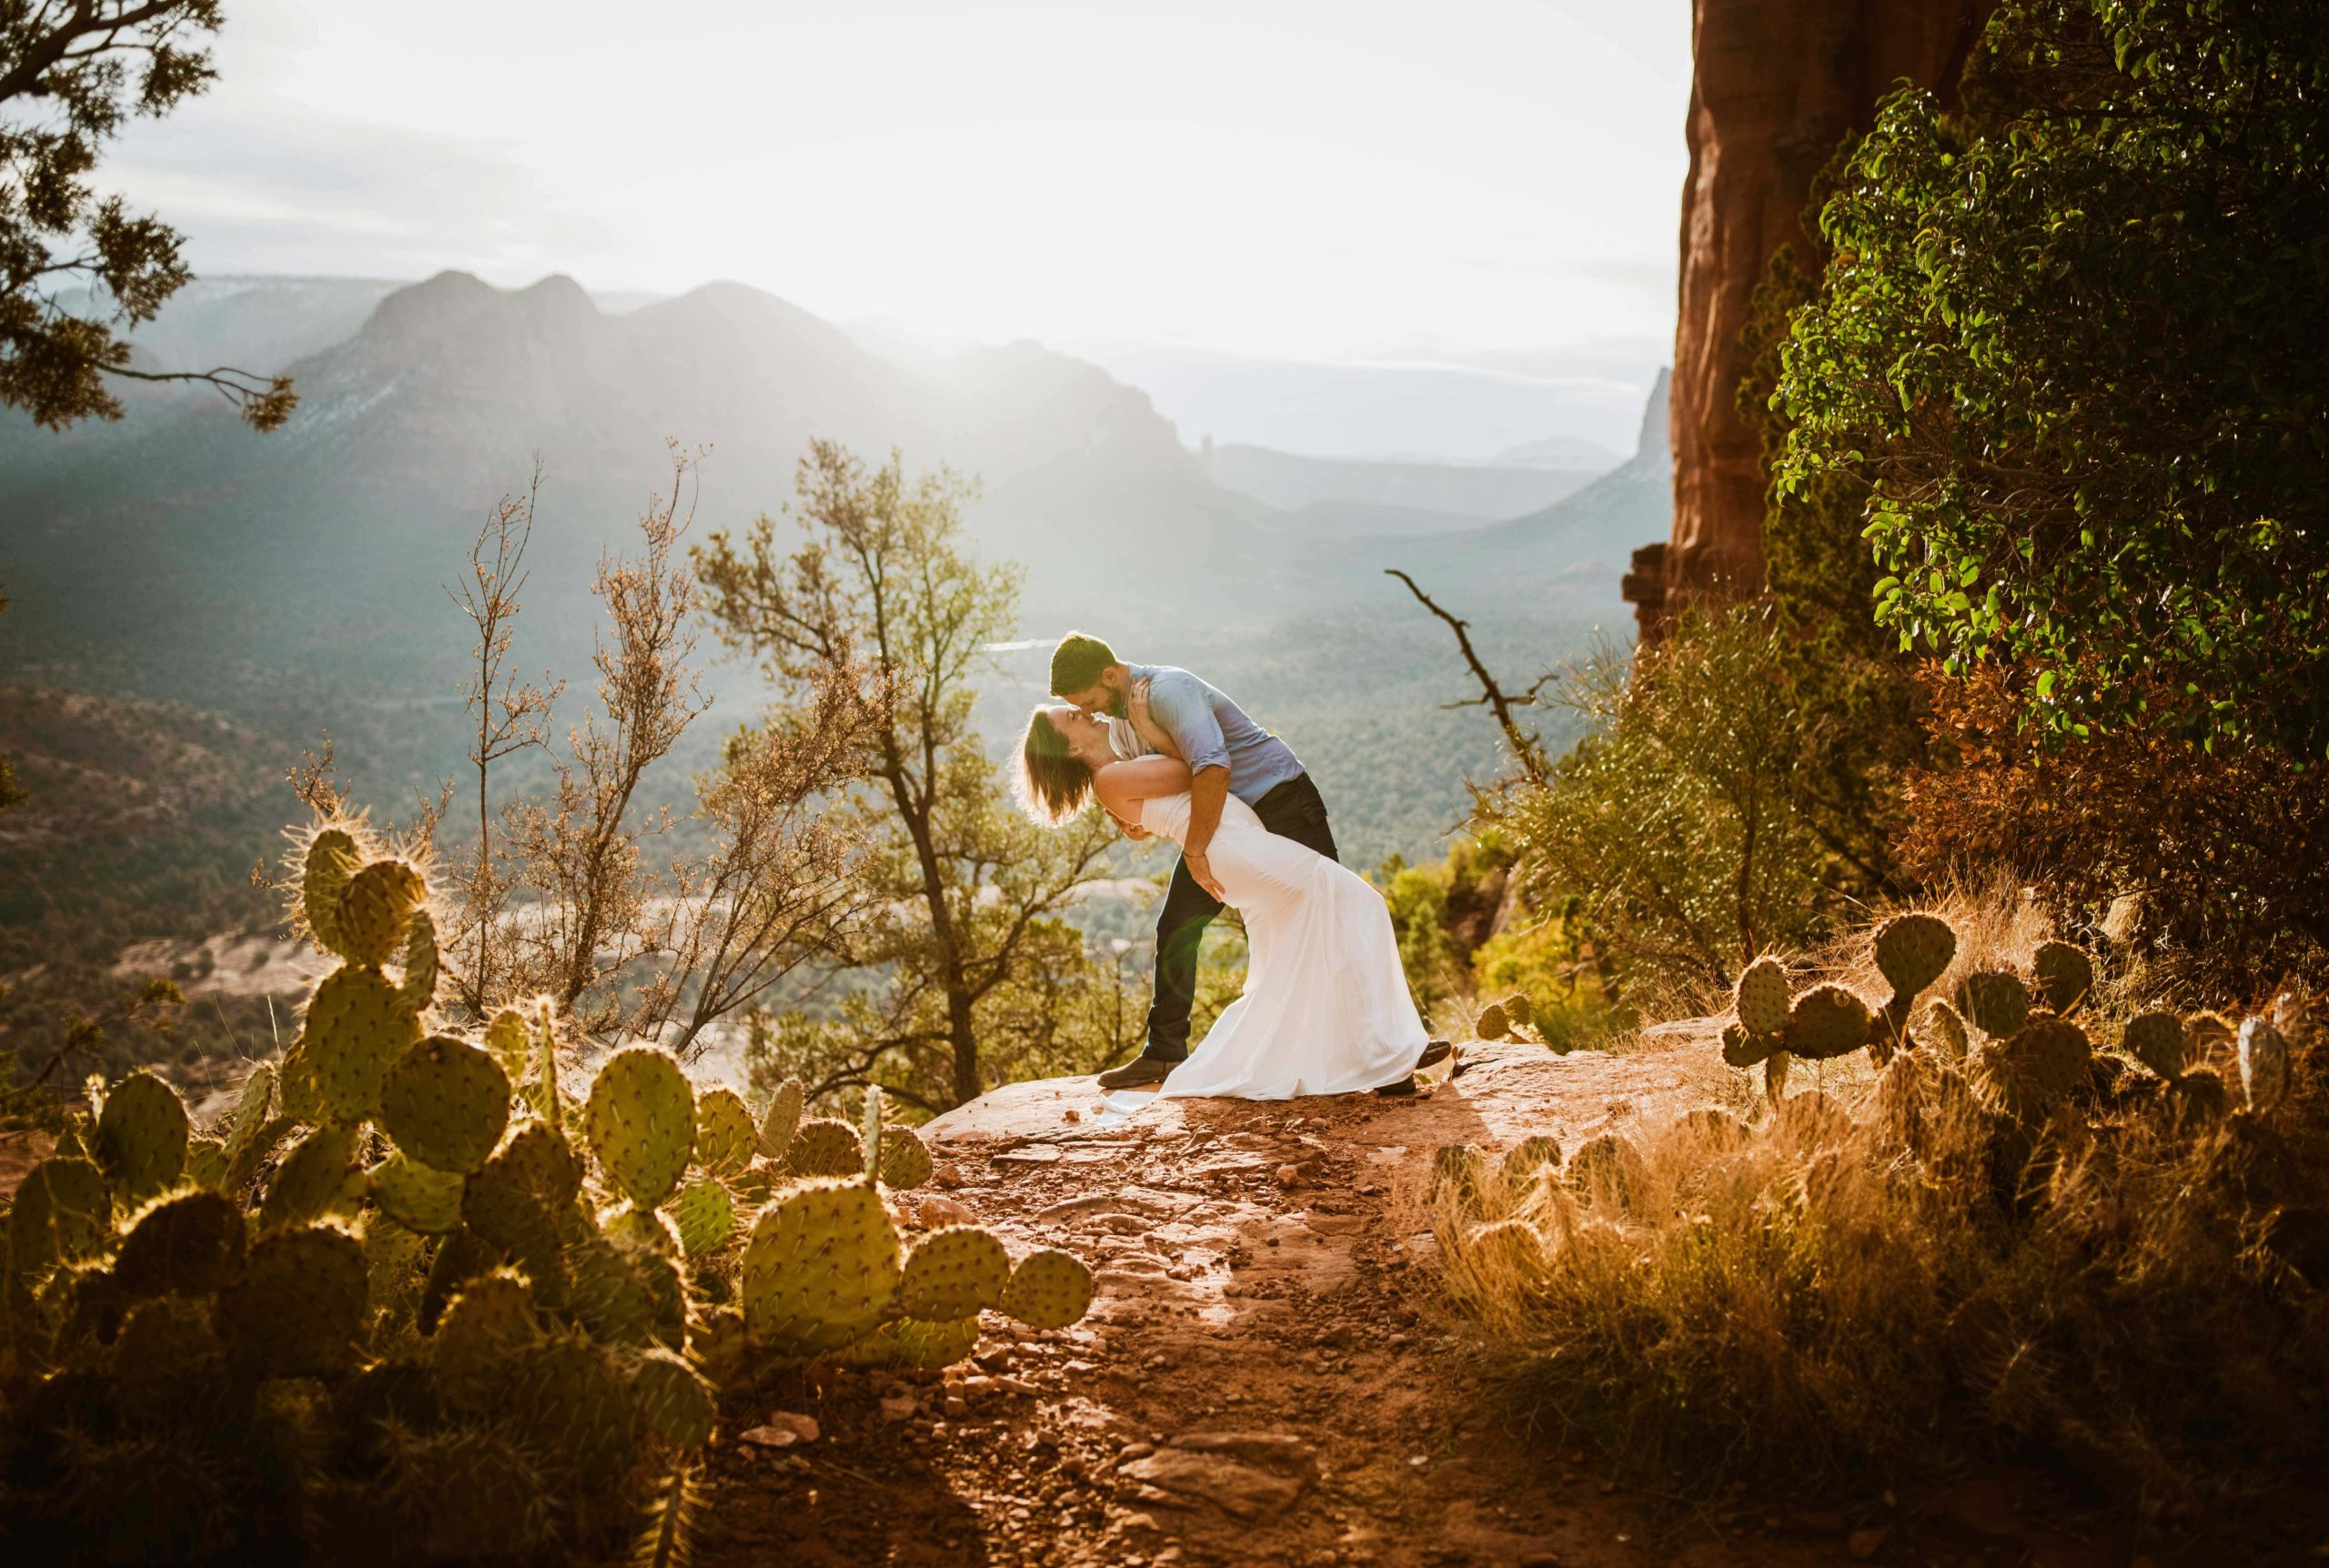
1505, 1249
724, 1134
250, 1112
490, 1322
297, 1306
954, 1273
419, 988
676, 1405
512, 1045
905, 1159
910, 1343
422, 1199
2156, 1039
2264, 1064
1743, 1047
206, 1162
141, 1137
166, 1351
1459, 1173
706, 1216
784, 1119
356, 1027
567, 1397
1761, 997
446, 1103
641, 1122
1912, 950
64, 1212
374, 908
822, 1264
2065, 975
1527, 1158
2054, 1051
187, 1244
1049, 1289
1827, 1021
1520, 1010
1608, 1166
1494, 1023
313, 1179
331, 858
1942, 1031
1993, 1000
825, 1147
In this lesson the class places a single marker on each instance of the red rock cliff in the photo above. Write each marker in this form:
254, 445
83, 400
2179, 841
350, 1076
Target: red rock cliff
1779, 84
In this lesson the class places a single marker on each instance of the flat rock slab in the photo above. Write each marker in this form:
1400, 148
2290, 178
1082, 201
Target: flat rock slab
1238, 1490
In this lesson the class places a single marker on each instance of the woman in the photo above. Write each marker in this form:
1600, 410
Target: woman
1325, 1009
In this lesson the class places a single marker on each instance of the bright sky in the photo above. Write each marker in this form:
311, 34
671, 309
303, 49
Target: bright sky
1262, 178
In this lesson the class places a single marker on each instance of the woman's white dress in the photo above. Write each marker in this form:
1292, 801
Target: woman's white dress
1325, 1009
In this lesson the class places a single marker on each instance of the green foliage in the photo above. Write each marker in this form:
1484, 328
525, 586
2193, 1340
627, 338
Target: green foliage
70, 76
1675, 824
2072, 340
1418, 898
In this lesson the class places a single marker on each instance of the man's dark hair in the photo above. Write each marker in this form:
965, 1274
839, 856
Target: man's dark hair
1076, 663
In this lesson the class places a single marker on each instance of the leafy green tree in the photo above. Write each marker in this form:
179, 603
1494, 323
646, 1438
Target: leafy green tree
2072, 341
949, 978
71, 72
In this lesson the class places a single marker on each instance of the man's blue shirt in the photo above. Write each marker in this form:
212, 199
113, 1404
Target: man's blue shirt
1213, 732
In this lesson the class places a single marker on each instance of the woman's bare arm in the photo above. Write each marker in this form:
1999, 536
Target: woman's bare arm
1123, 785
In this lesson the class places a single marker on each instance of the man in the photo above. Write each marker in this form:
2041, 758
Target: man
1227, 753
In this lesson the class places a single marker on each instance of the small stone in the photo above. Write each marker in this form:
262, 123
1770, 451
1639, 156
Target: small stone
1863, 1544
1071, 1114
937, 1212
1289, 1176
784, 1430
900, 1407
947, 1176
957, 1406
1131, 1451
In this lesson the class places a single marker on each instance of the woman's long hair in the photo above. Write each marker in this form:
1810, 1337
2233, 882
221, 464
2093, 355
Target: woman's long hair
1052, 784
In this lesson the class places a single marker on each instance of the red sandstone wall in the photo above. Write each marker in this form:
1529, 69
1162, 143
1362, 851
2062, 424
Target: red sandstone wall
1779, 86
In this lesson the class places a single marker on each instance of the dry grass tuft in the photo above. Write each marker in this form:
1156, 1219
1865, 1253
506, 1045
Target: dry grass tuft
1887, 1277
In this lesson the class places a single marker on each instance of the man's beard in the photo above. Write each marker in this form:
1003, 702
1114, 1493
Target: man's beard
1119, 705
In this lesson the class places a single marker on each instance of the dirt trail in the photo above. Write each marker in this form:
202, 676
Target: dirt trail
1253, 1385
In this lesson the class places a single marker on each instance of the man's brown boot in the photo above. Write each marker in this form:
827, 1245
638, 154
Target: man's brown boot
1140, 1072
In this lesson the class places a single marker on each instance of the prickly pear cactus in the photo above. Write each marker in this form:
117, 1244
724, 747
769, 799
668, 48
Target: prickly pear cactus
1495, 1022
912, 1342
954, 1273
1942, 1031
1608, 1168
374, 908
511, 1043
2065, 976
821, 1265
331, 858
1520, 1010
825, 1147
1993, 1000
1503, 1249
705, 1214
724, 1134
1826, 1022
1529, 1159
1459, 1174
419, 987
782, 1120
1912, 950
64, 1213
2156, 1039
316, 1177
187, 1244
2264, 1064
675, 1402
1743, 1047
641, 1123
141, 1137
905, 1159
297, 1305
356, 1027
1049, 1289
422, 1199
1761, 999
446, 1103
488, 1322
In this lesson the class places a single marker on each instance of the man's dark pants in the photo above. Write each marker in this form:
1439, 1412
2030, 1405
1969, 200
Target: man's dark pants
1291, 810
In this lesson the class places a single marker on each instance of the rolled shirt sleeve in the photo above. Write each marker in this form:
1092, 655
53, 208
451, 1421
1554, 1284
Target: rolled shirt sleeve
1178, 703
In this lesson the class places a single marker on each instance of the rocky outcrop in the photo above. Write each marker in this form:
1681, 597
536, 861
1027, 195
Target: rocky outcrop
1779, 84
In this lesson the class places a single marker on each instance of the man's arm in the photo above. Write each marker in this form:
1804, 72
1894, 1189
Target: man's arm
1179, 705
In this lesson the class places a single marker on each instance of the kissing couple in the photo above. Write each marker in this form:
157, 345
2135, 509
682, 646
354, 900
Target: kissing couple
1325, 1009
